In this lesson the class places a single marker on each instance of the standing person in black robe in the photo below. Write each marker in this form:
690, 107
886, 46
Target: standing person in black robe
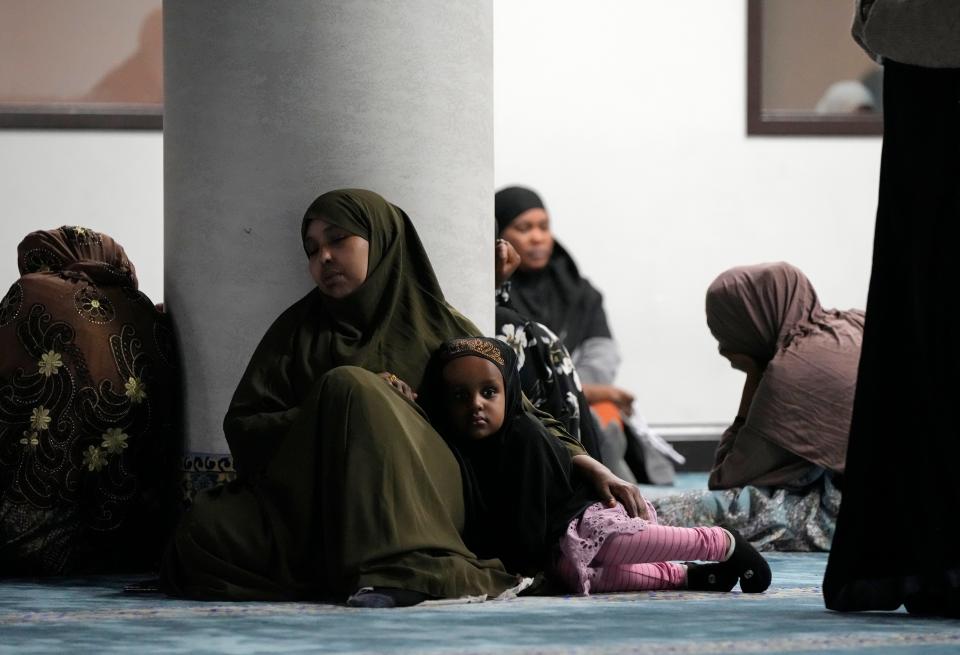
904, 438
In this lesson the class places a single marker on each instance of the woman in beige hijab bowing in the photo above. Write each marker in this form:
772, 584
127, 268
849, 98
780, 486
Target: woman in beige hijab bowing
777, 469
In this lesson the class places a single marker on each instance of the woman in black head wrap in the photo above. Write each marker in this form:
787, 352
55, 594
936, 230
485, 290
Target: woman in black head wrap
548, 286
547, 374
549, 289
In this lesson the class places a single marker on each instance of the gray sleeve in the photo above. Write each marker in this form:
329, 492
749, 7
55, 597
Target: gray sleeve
917, 32
597, 360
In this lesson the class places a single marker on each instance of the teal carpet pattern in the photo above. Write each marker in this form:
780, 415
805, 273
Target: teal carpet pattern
92, 615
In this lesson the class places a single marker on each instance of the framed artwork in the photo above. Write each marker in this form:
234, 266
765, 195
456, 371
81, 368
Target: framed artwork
806, 74
81, 64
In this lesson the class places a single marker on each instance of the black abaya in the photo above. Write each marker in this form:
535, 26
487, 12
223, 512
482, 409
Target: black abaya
898, 537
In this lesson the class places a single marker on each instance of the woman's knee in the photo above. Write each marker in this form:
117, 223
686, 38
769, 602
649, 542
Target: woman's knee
344, 379
346, 387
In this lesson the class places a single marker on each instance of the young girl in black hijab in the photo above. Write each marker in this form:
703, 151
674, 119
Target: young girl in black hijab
525, 507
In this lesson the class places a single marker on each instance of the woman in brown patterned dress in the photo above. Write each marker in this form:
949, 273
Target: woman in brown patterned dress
86, 411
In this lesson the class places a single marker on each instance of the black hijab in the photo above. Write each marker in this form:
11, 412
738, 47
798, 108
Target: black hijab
518, 485
512, 201
557, 295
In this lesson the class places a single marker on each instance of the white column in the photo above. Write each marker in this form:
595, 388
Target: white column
269, 104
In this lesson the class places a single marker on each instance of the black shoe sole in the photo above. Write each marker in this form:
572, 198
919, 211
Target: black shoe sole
752, 569
710, 577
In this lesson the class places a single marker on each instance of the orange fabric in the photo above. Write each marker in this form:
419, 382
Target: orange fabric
607, 411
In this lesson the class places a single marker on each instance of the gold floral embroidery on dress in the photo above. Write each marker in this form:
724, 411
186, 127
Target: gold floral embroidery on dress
94, 459
67, 429
136, 390
40, 418
114, 440
479, 346
80, 235
93, 306
50, 363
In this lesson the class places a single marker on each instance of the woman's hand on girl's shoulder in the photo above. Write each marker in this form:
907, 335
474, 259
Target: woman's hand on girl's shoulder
612, 488
405, 389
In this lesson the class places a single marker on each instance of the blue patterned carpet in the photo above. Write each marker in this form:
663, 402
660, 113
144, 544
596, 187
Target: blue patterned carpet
92, 615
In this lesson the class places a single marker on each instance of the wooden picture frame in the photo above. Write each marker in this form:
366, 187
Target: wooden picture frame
764, 122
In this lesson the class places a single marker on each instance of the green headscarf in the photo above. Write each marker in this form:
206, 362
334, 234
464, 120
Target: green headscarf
392, 322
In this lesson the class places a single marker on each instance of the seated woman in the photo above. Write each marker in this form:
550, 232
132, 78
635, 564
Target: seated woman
549, 289
547, 375
87, 430
781, 460
344, 488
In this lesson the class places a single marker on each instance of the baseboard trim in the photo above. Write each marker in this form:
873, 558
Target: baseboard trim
677, 432
697, 442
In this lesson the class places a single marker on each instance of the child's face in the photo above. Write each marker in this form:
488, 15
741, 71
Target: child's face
474, 396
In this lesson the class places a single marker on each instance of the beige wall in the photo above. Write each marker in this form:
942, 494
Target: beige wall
807, 46
64, 50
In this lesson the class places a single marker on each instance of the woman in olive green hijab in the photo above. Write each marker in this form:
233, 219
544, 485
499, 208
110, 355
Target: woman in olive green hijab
343, 485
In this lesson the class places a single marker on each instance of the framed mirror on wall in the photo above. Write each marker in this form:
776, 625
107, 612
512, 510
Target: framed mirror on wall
805, 73
91, 64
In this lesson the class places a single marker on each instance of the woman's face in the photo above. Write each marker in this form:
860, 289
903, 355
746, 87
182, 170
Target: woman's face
336, 258
474, 396
530, 234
